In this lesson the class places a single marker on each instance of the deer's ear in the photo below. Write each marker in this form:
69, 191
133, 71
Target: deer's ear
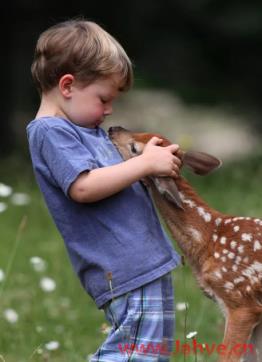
166, 186
201, 163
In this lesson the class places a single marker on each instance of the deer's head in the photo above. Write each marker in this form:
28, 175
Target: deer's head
130, 144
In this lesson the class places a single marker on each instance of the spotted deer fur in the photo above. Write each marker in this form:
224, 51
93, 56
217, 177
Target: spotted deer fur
224, 251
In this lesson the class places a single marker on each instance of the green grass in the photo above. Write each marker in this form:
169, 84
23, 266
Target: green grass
67, 314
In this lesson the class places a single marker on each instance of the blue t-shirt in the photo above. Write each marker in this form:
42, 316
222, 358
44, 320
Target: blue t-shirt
121, 234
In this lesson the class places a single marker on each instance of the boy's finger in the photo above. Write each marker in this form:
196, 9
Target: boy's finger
155, 141
175, 169
177, 161
174, 174
173, 148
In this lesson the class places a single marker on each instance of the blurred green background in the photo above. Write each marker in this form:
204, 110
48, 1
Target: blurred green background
197, 79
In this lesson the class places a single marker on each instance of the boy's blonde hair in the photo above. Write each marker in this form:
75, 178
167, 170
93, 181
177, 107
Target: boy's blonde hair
81, 48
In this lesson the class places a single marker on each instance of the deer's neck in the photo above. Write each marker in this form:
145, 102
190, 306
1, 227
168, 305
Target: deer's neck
192, 227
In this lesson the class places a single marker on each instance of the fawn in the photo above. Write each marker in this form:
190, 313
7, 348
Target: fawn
224, 251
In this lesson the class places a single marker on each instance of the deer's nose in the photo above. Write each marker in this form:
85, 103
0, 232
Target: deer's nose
115, 129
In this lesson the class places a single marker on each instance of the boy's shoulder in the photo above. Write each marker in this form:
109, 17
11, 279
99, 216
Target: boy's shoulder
43, 124
51, 128
42, 127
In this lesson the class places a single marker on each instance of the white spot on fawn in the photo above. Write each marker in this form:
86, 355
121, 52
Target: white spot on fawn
206, 215
229, 285
218, 221
223, 240
190, 203
239, 280
241, 249
257, 266
214, 237
216, 255
238, 260
236, 228
246, 237
195, 233
257, 245
224, 269
231, 255
218, 274
253, 272
225, 251
233, 244
234, 268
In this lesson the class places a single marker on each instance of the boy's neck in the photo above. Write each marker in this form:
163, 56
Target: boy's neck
49, 106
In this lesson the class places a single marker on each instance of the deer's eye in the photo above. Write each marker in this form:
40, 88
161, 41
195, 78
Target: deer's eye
133, 148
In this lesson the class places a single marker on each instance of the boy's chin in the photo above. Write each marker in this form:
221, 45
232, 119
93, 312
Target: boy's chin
97, 123
90, 124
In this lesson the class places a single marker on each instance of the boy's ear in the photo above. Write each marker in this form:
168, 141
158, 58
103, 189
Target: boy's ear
65, 85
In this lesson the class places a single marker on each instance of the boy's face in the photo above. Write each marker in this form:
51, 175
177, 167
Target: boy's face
88, 106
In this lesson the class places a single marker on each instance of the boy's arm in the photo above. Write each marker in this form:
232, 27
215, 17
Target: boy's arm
102, 182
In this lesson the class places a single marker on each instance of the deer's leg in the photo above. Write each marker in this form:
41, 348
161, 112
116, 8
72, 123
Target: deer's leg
256, 340
239, 326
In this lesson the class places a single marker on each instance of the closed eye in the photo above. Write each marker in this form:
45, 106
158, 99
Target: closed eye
133, 148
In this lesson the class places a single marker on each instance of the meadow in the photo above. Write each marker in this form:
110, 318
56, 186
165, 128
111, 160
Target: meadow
45, 315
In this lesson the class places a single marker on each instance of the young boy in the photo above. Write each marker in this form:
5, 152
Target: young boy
104, 214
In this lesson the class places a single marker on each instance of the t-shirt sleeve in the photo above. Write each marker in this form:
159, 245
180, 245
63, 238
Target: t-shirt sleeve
66, 156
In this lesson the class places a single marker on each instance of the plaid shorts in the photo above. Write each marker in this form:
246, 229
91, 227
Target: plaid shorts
142, 325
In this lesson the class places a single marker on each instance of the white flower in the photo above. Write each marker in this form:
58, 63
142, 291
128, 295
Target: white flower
5, 190
11, 316
38, 263
182, 306
2, 275
191, 335
39, 329
105, 328
3, 206
20, 199
52, 345
47, 284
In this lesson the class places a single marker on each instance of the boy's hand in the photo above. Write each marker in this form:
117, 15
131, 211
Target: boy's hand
161, 161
